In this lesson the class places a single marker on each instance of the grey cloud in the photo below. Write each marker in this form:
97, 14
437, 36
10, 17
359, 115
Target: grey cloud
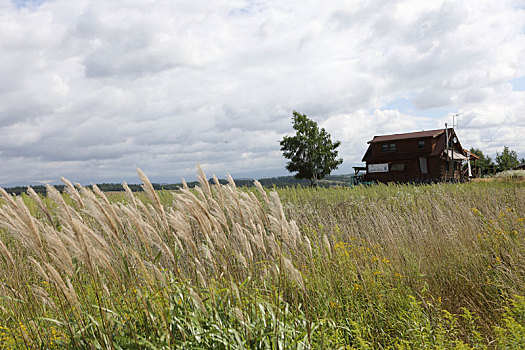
473, 95
436, 25
101, 64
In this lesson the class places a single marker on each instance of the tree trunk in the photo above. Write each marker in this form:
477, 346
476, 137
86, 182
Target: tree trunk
313, 181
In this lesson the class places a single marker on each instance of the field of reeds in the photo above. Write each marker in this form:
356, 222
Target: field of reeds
221, 267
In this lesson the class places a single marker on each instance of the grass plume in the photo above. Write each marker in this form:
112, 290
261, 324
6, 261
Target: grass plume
225, 267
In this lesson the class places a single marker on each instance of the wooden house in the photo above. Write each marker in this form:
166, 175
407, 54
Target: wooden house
415, 157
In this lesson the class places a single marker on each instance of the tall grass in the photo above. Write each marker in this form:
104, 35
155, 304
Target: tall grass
449, 233
82, 263
223, 267
511, 175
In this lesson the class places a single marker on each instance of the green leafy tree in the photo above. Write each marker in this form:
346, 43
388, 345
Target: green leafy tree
507, 160
485, 164
311, 152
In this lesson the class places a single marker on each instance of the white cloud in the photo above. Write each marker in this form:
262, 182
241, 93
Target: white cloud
91, 89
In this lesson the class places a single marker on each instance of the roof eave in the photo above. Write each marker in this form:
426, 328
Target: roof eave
436, 134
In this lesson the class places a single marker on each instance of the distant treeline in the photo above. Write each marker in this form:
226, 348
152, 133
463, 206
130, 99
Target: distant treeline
281, 181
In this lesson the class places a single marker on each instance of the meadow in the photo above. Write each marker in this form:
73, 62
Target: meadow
219, 267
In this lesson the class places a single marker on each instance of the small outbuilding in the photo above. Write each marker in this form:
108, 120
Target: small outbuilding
423, 156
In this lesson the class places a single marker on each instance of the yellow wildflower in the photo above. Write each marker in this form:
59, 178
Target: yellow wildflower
334, 305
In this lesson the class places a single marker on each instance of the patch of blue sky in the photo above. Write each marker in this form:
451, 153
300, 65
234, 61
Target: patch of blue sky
518, 84
240, 12
248, 10
28, 3
429, 118
404, 105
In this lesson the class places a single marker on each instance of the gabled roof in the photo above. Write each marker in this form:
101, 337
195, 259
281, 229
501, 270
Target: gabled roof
472, 155
441, 143
437, 151
406, 136
368, 154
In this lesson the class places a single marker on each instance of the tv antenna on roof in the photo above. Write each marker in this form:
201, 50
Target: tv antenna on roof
454, 124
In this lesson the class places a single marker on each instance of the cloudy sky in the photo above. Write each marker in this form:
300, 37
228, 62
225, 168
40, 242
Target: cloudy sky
90, 90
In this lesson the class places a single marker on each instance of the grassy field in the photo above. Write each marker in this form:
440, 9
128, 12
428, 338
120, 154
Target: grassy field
400, 267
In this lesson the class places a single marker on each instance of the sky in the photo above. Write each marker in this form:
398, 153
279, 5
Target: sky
91, 90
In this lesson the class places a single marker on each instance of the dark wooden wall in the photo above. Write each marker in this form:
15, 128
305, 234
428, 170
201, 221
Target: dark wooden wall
408, 153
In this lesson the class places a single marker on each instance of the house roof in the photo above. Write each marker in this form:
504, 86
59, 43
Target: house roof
437, 151
406, 136
452, 154
472, 155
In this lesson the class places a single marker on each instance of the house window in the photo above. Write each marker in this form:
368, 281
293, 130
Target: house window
421, 144
388, 147
423, 165
397, 167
